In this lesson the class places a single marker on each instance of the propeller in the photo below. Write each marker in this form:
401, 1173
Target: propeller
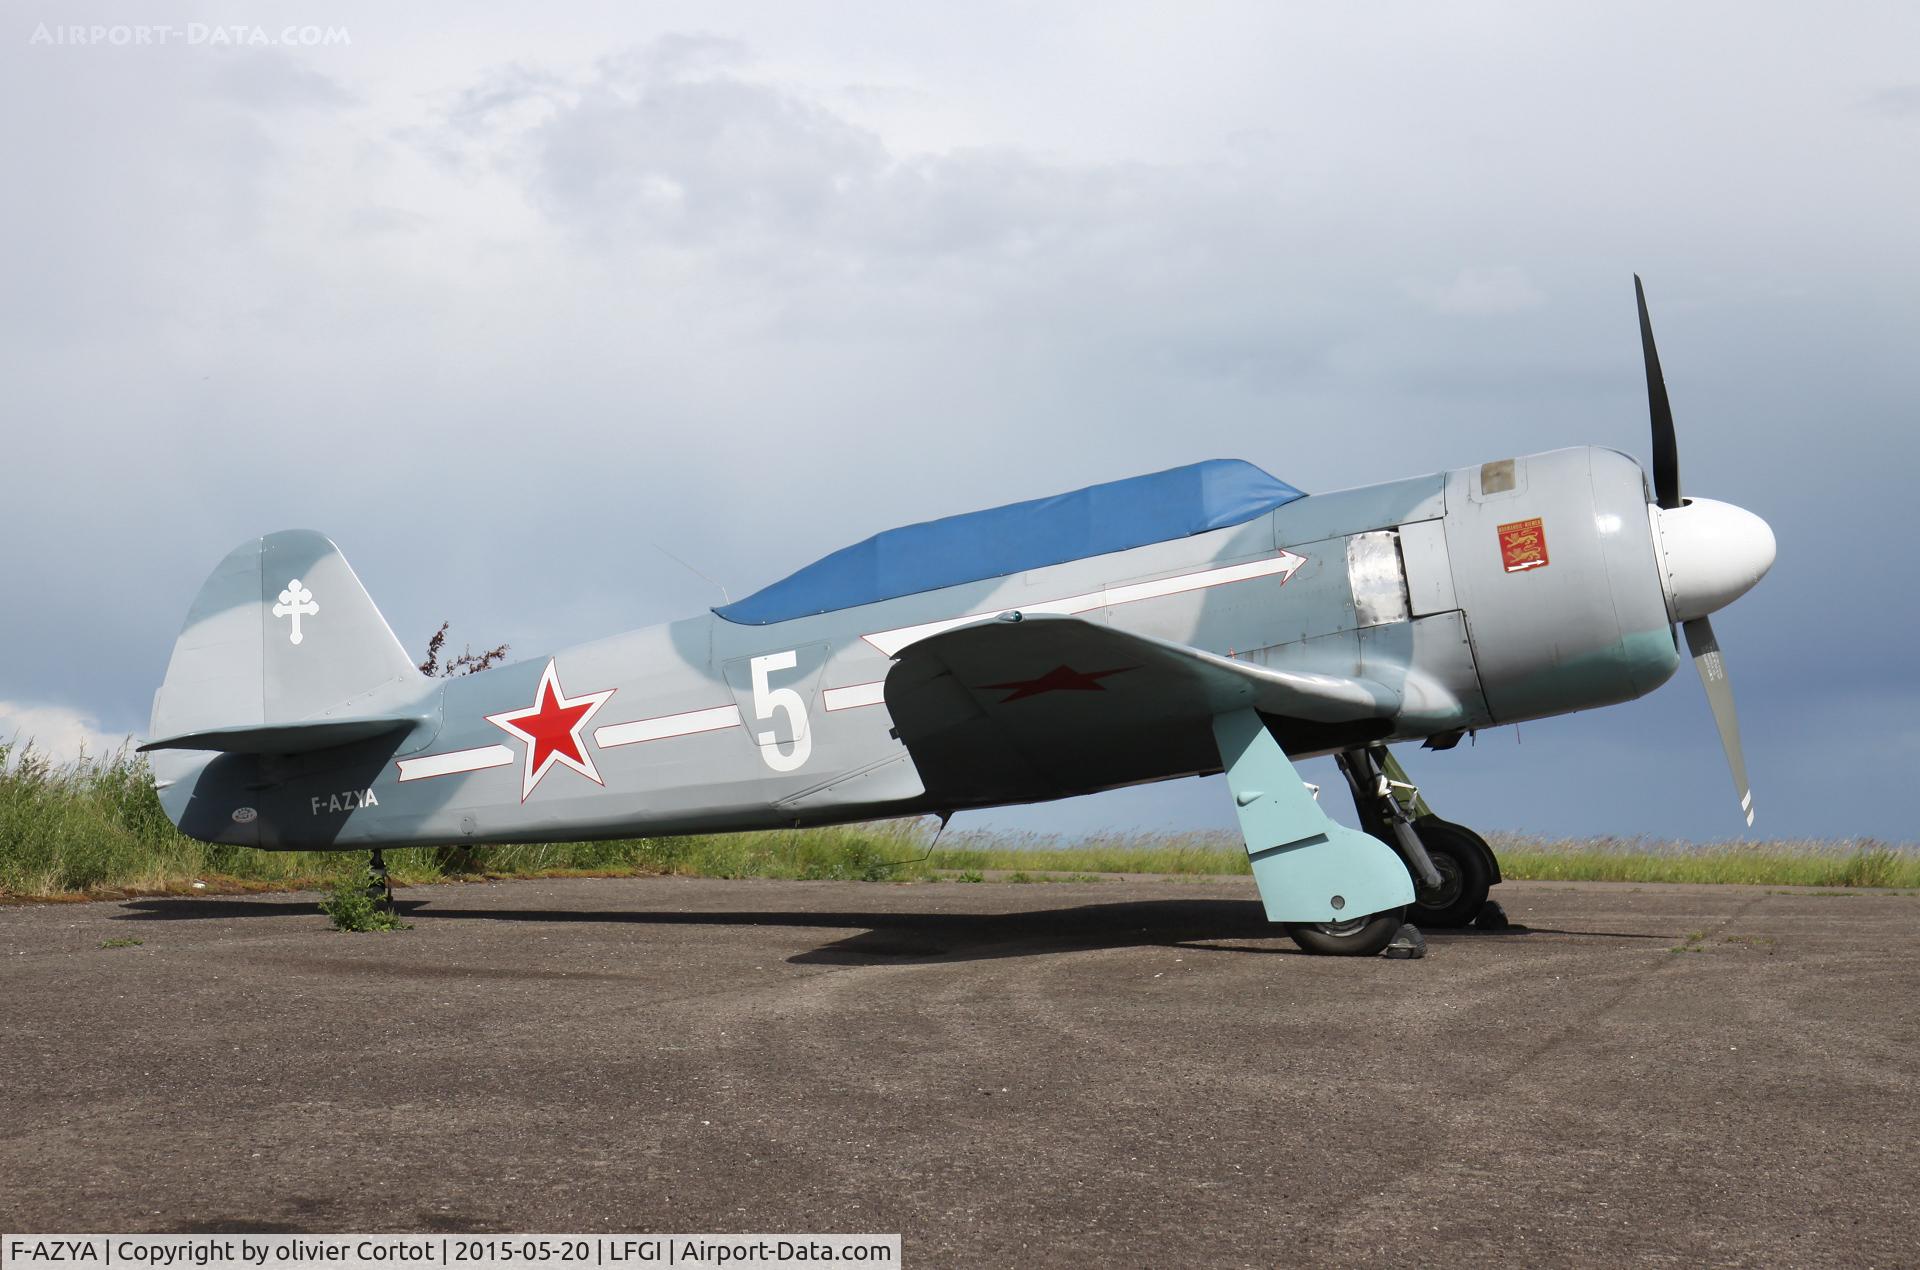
1710, 553
1666, 450
1705, 648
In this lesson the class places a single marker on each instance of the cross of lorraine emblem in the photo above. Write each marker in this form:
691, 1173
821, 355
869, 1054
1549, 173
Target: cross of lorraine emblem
295, 602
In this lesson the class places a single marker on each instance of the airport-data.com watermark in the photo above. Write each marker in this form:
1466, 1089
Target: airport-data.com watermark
188, 35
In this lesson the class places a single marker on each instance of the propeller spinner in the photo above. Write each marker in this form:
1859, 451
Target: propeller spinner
1711, 554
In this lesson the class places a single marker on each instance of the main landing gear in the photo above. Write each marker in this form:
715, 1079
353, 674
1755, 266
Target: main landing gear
379, 886
1451, 865
1349, 892
1335, 890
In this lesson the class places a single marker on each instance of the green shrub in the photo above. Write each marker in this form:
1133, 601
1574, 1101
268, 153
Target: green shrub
352, 907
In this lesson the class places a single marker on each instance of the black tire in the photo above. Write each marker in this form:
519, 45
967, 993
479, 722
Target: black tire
1361, 937
1461, 858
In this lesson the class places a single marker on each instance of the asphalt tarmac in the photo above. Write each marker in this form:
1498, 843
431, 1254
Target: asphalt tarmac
1123, 1072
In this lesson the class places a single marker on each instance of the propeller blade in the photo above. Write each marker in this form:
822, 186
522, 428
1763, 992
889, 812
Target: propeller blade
1713, 674
1666, 451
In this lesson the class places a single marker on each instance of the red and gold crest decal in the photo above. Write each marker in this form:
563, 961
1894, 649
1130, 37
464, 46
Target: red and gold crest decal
1523, 545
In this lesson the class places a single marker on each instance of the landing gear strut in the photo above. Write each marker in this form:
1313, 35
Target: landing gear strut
379, 887
1452, 866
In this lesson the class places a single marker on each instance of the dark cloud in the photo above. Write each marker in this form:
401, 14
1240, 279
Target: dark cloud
501, 331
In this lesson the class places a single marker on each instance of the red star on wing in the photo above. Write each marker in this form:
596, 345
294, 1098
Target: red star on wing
1059, 679
551, 728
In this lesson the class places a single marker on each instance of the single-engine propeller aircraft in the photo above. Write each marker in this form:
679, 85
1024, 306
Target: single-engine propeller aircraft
1207, 618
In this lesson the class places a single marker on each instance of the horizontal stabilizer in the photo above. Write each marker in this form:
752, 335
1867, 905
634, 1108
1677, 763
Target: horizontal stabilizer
285, 738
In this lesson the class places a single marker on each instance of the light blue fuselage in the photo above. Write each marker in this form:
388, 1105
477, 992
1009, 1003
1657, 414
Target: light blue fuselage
1420, 585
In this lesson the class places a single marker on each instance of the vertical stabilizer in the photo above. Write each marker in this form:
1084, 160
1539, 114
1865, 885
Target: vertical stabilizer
282, 632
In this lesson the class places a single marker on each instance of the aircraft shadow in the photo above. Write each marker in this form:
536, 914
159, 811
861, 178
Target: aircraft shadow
919, 937
158, 909
1202, 925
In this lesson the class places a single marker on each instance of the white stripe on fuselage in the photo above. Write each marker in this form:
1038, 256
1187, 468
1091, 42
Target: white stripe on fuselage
667, 725
453, 762
855, 695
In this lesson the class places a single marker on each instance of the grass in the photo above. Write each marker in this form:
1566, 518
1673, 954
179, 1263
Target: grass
1842, 863
1692, 943
96, 828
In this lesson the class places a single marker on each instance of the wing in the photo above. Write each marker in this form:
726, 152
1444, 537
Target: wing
1028, 707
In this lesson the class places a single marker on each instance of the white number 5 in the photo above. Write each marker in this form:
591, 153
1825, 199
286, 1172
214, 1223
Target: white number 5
767, 700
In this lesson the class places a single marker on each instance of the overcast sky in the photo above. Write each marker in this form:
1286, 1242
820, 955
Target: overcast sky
507, 302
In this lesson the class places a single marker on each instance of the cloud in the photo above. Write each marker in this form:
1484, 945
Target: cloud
661, 147
61, 731
1504, 289
270, 80
702, 159
492, 100
769, 215
1899, 101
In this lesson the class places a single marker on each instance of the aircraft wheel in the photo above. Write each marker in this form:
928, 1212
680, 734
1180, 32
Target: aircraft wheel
1459, 856
1361, 937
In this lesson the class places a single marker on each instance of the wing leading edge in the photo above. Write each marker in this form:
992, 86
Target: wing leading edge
1036, 706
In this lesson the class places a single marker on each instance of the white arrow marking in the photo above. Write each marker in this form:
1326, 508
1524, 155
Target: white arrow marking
1282, 566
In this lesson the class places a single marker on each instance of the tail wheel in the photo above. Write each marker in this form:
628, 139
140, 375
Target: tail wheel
1460, 857
1361, 937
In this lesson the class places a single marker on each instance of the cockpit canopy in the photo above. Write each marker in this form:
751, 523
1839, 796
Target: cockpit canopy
1094, 521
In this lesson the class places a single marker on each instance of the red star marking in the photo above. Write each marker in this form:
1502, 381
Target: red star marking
551, 728
1059, 679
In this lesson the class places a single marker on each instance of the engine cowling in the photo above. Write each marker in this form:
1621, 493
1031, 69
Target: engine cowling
1555, 563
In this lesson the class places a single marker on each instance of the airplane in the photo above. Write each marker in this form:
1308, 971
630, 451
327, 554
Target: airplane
1209, 618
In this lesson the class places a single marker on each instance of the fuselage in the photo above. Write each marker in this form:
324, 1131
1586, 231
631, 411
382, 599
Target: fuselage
1483, 596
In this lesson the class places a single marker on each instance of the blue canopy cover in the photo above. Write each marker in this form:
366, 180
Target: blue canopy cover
1093, 521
